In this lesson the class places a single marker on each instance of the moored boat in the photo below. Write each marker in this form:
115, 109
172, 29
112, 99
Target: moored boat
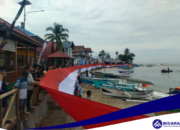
129, 93
166, 71
121, 71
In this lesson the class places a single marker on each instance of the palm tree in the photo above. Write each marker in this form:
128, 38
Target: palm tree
126, 51
117, 54
58, 33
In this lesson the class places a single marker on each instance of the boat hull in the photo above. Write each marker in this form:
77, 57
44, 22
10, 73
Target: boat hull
165, 71
125, 71
124, 87
98, 83
87, 80
119, 93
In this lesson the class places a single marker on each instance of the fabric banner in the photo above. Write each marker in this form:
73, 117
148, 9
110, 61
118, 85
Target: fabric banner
42, 50
60, 85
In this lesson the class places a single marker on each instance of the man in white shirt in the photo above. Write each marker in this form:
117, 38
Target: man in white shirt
30, 87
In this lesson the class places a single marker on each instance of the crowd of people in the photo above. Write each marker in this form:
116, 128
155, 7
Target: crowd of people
29, 88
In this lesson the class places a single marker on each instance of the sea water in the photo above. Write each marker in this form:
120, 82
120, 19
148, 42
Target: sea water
162, 81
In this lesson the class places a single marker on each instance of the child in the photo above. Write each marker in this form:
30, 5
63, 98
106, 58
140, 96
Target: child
88, 95
22, 84
79, 88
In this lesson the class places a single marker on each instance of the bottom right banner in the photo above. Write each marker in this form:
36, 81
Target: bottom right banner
163, 122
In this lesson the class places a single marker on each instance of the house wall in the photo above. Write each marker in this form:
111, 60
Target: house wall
78, 59
68, 51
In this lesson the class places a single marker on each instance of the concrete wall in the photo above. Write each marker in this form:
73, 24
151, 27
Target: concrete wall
35, 118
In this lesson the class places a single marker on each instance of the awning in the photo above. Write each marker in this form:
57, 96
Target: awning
138, 81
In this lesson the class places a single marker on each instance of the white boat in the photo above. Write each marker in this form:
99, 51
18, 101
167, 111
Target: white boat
135, 93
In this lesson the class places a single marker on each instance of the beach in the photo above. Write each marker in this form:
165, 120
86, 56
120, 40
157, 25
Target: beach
57, 116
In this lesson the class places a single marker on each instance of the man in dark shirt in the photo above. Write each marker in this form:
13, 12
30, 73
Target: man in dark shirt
36, 76
3, 89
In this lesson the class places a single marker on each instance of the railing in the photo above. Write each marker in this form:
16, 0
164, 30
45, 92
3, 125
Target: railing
11, 77
15, 121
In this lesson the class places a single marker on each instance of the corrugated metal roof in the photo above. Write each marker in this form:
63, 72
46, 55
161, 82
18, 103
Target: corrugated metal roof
30, 33
26, 31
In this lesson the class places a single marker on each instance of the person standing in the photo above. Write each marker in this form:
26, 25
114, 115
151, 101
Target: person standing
36, 87
39, 76
79, 88
88, 95
3, 90
30, 88
76, 86
22, 84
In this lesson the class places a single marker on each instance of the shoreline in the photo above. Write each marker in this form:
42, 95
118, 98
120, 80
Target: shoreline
58, 116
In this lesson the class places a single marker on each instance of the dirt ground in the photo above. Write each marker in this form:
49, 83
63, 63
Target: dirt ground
58, 116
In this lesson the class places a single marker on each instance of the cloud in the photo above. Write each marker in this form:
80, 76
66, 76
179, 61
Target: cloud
149, 28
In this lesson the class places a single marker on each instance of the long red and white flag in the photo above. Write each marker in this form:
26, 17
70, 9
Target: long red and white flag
60, 85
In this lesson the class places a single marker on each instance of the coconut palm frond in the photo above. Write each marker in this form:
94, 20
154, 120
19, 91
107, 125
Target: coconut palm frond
57, 33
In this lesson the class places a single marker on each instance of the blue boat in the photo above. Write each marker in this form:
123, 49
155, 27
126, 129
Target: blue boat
87, 80
98, 83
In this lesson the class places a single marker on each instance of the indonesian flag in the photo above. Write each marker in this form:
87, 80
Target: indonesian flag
60, 85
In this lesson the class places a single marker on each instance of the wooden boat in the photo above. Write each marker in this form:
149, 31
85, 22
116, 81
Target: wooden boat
174, 90
98, 83
123, 86
135, 93
125, 93
166, 71
121, 71
109, 75
87, 80
102, 77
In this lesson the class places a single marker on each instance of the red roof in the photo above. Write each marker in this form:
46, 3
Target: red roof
47, 50
58, 54
78, 48
16, 30
88, 49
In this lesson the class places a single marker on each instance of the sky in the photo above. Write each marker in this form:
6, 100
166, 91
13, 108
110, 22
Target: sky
149, 28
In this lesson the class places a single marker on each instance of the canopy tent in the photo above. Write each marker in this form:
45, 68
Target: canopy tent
61, 88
